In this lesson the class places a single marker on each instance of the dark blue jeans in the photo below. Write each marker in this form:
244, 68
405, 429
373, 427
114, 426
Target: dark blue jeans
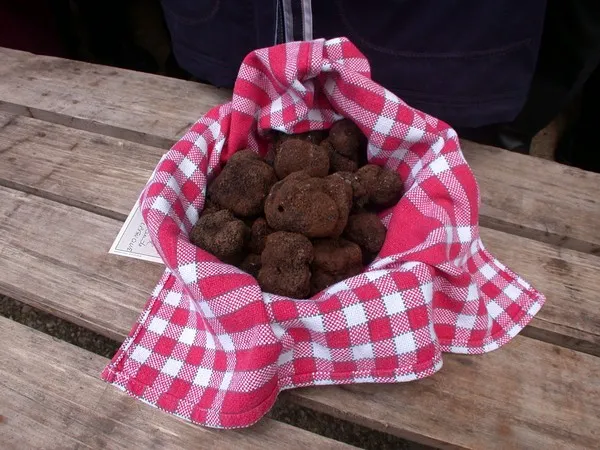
468, 62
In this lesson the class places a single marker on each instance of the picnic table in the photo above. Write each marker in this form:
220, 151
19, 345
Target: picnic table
78, 143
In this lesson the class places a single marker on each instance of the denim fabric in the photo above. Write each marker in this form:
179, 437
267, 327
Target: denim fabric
468, 62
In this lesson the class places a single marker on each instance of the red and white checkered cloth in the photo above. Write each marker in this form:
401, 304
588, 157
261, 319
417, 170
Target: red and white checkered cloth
212, 348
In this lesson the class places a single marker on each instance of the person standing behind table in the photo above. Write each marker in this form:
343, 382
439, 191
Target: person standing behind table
467, 62
568, 70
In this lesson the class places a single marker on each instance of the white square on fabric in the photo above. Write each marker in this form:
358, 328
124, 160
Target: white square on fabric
494, 309
140, 354
202, 377
337, 287
373, 275
414, 134
512, 292
172, 183
438, 145
464, 234
205, 309
276, 106
427, 291
187, 167
320, 351
188, 273
466, 321
158, 325
161, 204
364, 351
439, 165
405, 343
215, 129
187, 336
173, 298
473, 293
394, 303
383, 125
285, 357
226, 342
355, 315
416, 168
172, 367
200, 143
488, 271
314, 323
192, 214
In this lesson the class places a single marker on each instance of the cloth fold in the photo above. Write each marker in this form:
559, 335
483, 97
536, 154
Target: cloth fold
211, 347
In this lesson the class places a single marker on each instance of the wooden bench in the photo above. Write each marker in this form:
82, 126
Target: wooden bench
77, 144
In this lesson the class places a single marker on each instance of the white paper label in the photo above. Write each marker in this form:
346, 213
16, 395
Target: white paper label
133, 240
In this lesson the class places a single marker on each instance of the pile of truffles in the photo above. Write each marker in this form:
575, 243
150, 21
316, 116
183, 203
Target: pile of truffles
304, 220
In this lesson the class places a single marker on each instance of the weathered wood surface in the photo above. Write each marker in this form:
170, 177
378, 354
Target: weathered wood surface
52, 398
53, 255
530, 393
521, 195
88, 170
537, 198
105, 175
129, 105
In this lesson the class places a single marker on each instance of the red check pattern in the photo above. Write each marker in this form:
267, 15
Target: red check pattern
212, 348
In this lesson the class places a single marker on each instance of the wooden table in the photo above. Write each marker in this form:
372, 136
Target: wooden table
77, 144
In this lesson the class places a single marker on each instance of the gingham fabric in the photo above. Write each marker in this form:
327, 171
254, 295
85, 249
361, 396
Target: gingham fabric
212, 348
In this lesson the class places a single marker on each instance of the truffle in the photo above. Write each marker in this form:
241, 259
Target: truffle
221, 234
314, 207
314, 137
366, 230
243, 184
334, 260
295, 155
338, 162
210, 207
358, 190
286, 265
347, 139
258, 235
383, 186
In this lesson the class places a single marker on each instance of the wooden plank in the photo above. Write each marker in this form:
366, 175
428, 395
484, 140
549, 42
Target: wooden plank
536, 198
130, 105
87, 170
520, 194
105, 175
528, 394
64, 252
52, 397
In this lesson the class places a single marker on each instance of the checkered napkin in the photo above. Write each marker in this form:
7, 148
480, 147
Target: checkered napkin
212, 348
